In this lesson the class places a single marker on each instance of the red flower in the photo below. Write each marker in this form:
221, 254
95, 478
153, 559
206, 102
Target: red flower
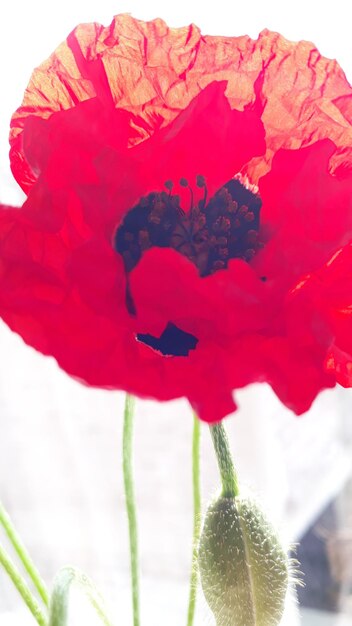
144, 257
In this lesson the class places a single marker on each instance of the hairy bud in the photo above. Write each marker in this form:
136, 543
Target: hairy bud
243, 567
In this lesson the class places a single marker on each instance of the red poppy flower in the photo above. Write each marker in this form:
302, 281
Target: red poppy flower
180, 188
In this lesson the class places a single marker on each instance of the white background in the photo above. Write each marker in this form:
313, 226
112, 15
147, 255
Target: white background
60, 442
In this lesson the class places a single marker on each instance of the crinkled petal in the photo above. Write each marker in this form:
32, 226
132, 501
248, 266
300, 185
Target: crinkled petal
207, 138
155, 71
294, 370
306, 214
324, 298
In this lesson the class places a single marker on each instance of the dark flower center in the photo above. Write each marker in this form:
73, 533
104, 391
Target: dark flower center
172, 342
209, 234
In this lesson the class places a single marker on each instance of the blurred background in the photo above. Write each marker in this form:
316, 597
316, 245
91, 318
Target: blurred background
60, 442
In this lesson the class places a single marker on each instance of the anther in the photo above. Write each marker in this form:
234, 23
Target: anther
252, 236
200, 181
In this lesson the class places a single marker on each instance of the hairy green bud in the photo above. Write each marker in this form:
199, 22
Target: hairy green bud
243, 567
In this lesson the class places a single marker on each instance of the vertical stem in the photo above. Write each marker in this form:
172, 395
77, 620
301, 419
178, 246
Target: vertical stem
225, 461
22, 587
196, 519
23, 555
131, 503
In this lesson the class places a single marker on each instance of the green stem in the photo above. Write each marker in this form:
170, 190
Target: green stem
131, 503
22, 587
196, 519
23, 555
225, 461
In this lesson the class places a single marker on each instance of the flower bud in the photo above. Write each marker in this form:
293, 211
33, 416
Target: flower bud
243, 567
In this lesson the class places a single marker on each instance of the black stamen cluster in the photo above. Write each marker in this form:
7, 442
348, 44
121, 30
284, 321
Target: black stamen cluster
209, 234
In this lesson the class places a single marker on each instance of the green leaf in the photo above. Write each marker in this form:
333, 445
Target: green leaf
59, 601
